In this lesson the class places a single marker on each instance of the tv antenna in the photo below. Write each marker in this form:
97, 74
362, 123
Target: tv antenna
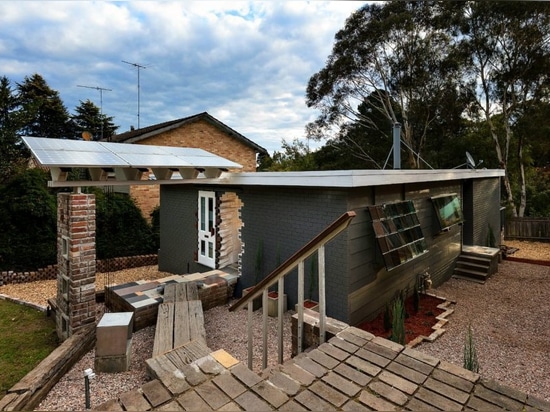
101, 90
138, 67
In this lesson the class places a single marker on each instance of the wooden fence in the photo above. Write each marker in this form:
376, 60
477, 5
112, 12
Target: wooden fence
527, 228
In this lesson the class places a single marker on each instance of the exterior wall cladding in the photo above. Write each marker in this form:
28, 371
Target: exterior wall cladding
284, 219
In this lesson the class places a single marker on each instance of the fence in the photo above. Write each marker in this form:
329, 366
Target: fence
106, 265
527, 228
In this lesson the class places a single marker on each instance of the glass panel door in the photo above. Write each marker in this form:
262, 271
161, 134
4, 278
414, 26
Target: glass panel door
207, 229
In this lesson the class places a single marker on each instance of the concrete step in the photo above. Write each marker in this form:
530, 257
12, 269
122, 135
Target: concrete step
465, 264
470, 274
480, 260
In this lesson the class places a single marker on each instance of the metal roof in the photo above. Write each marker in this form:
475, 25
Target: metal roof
110, 163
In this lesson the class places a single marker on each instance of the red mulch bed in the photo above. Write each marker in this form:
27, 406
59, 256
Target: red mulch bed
416, 324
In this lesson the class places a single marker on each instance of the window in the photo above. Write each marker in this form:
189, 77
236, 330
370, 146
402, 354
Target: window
448, 210
398, 232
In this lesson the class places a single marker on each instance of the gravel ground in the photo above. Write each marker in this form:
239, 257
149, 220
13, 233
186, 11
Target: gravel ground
509, 315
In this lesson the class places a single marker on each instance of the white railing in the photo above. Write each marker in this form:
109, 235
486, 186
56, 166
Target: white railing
317, 244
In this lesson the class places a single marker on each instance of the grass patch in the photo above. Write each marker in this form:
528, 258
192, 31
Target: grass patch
27, 336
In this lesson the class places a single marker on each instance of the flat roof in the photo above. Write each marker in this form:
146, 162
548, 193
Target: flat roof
352, 178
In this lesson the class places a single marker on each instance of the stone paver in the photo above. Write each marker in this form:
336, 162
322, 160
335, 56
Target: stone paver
353, 405
209, 366
446, 390
342, 384
155, 393
414, 364
375, 402
407, 373
458, 371
452, 380
353, 374
251, 402
224, 358
193, 375
353, 338
298, 373
229, 385
363, 365
170, 406
388, 392
372, 357
397, 382
323, 359
270, 393
110, 405
384, 351
333, 351
292, 406
329, 394
245, 375
284, 382
213, 396
134, 401
191, 401
313, 402
497, 398
340, 343
312, 367
421, 356
437, 400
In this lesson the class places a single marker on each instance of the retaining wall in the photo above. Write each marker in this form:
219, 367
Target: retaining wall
103, 265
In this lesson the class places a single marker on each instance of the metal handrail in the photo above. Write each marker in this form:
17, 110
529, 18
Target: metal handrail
296, 260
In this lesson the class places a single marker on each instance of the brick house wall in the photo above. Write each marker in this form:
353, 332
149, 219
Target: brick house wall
199, 134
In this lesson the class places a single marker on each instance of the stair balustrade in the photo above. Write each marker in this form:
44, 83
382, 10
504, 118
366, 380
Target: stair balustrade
317, 244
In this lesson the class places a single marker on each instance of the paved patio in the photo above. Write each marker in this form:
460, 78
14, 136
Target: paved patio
352, 371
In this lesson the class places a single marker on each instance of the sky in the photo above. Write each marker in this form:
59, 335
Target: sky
245, 63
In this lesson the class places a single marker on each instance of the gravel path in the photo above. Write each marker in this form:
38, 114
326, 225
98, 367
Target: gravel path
509, 315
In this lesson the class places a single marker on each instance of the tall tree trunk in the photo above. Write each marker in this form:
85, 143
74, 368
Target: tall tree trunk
502, 160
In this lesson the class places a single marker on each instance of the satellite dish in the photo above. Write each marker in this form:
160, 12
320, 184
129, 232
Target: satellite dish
87, 136
470, 161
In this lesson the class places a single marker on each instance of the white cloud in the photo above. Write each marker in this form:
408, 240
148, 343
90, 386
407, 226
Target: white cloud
246, 63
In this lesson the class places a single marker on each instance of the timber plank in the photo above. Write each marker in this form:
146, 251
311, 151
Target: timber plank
196, 321
164, 330
192, 291
181, 324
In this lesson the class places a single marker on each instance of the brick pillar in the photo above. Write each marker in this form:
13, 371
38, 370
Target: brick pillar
76, 263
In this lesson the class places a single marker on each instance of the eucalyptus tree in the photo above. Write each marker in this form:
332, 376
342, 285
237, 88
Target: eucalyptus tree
89, 118
507, 45
42, 110
398, 59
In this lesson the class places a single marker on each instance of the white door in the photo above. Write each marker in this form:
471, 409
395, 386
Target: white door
207, 229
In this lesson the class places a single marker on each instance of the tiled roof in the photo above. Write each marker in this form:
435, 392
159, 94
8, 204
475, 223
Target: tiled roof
134, 136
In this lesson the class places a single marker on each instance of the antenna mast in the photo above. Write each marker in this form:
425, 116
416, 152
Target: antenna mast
138, 66
101, 89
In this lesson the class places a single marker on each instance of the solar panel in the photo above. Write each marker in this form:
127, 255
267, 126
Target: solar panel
60, 153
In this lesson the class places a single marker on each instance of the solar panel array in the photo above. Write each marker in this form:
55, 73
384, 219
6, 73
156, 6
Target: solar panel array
62, 154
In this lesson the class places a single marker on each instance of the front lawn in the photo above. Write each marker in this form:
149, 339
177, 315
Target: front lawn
27, 336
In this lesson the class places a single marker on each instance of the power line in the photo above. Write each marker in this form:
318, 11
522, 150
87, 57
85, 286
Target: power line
138, 66
101, 90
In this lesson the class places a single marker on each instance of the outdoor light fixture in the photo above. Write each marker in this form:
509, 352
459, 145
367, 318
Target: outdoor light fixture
88, 374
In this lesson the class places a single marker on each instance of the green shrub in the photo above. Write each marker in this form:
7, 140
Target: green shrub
28, 218
121, 229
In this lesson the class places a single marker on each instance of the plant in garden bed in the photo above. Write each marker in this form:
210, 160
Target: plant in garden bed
470, 353
398, 321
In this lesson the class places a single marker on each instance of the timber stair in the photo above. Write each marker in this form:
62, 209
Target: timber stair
476, 263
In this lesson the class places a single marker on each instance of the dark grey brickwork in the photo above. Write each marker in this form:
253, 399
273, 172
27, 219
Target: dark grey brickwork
487, 211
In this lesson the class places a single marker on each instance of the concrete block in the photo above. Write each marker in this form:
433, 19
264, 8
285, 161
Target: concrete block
113, 332
114, 363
